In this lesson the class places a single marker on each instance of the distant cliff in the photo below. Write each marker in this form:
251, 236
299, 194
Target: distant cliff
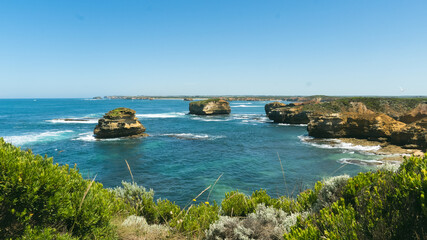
401, 121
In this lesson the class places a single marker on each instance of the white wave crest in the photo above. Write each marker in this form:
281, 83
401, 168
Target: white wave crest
74, 120
38, 137
89, 137
251, 118
337, 144
361, 162
162, 115
247, 106
289, 124
211, 119
191, 136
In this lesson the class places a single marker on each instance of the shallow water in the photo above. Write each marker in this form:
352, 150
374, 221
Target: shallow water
184, 153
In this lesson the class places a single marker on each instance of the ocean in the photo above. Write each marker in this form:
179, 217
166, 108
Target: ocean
184, 154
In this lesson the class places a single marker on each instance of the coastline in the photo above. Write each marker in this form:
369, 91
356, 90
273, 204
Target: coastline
389, 151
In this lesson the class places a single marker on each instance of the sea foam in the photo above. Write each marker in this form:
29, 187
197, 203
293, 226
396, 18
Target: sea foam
191, 136
337, 144
89, 137
74, 120
362, 162
38, 137
162, 115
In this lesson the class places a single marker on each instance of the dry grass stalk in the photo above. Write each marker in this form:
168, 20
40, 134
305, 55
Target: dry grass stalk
283, 173
129, 170
214, 186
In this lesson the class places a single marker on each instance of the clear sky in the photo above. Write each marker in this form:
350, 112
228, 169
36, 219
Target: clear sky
220, 47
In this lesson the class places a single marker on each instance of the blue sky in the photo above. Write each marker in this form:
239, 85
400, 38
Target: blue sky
222, 47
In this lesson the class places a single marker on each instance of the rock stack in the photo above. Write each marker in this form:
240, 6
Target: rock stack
210, 107
120, 122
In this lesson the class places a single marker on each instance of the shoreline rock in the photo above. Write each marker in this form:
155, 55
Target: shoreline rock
120, 122
273, 105
397, 121
210, 107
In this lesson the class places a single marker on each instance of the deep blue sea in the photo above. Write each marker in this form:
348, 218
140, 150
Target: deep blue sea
184, 154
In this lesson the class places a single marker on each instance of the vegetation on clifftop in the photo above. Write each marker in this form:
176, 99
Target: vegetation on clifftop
392, 106
204, 102
118, 112
42, 200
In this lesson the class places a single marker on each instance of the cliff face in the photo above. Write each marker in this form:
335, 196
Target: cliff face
360, 122
416, 114
289, 114
273, 105
354, 125
413, 135
120, 122
210, 107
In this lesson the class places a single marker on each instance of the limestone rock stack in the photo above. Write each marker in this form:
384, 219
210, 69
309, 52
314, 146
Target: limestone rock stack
120, 122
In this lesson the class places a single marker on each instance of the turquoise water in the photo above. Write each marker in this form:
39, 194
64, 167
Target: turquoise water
184, 153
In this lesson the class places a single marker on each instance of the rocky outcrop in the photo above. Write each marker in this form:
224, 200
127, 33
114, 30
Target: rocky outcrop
360, 122
413, 135
416, 114
210, 107
188, 99
273, 105
120, 122
289, 114
353, 125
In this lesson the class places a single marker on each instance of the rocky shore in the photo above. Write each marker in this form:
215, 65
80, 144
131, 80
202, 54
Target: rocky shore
389, 121
120, 122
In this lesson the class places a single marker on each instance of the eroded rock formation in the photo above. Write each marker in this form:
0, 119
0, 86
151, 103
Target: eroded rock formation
120, 122
273, 105
289, 114
210, 107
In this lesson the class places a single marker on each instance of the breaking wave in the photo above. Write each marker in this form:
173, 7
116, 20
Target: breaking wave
337, 144
191, 136
38, 137
162, 115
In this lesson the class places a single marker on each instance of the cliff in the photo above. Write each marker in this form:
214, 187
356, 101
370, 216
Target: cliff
401, 121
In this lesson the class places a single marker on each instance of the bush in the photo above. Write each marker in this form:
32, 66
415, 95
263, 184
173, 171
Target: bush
235, 203
264, 223
330, 192
166, 211
196, 219
36, 192
375, 205
141, 200
45, 234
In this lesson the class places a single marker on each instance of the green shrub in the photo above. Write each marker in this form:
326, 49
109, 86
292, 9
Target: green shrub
141, 200
235, 203
166, 210
330, 191
36, 192
336, 222
196, 219
375, 205
45, 234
